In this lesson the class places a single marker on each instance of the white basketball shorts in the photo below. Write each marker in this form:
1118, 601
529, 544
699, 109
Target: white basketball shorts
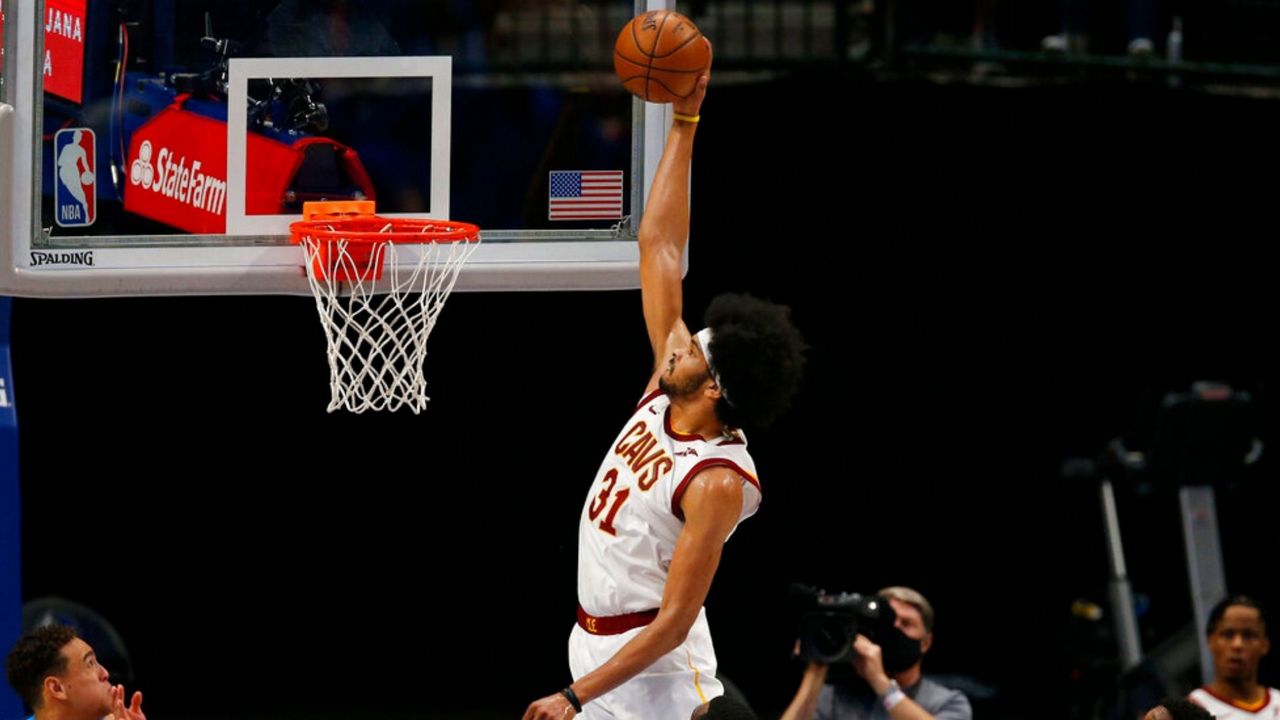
669, 689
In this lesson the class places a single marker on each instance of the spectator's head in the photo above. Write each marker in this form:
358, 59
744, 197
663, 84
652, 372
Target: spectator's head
915, 614
51, 665
1177, 709
1237, 639
723, 708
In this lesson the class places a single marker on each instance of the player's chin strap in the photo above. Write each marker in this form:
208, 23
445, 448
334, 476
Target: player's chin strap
704, 341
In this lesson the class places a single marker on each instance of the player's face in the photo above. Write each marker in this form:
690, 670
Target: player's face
686, 371
86, 683
1238, 644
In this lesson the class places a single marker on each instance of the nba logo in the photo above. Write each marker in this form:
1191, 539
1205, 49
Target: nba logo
75, 188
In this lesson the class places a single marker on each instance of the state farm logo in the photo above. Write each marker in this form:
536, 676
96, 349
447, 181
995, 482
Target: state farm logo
171, 177
142, 172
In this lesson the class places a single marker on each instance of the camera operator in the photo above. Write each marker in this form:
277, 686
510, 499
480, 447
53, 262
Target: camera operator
896, 687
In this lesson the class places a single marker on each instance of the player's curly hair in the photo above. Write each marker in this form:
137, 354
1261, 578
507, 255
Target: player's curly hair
759, 356
35, 657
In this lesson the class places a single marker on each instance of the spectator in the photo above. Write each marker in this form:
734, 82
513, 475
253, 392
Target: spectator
904, 694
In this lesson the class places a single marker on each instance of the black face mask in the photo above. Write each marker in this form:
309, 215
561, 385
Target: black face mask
897, 651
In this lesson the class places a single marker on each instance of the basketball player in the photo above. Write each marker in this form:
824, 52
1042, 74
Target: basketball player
677, 480
1237, 637
57, 675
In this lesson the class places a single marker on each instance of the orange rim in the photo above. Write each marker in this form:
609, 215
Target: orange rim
354, 221
374, 229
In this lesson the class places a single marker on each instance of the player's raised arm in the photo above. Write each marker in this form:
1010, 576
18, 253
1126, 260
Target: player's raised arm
665, 229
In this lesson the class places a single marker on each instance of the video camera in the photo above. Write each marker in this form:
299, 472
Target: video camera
829, 623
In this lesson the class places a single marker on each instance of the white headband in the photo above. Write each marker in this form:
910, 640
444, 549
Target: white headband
703, 337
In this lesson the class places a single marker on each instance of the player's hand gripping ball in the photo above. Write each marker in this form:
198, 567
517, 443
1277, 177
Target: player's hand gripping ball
659, 56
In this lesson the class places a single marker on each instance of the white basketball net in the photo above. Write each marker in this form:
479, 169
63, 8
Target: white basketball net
377, 329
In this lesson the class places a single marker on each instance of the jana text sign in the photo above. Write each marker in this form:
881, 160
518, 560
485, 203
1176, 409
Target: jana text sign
64, 28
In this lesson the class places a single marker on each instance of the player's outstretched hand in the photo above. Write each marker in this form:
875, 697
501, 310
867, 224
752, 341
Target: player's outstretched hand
692, 104
118, 709
551, 707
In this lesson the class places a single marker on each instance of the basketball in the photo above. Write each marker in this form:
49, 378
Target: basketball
659, 56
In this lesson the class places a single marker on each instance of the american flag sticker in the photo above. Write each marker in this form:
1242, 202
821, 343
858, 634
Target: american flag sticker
585, 195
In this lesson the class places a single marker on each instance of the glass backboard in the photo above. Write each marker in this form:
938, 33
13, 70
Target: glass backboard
163, 146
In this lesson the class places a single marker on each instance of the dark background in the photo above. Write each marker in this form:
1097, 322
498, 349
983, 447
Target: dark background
992, 281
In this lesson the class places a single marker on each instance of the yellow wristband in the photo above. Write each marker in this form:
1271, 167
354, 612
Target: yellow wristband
686, 118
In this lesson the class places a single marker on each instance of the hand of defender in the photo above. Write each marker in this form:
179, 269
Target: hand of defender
692, 104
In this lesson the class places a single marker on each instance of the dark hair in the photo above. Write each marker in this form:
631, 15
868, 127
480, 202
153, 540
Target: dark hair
1184, 709
758, 355
728, 708
35, 657
1215, 615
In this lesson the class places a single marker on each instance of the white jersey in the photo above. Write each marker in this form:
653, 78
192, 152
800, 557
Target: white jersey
632, 516
1224, 709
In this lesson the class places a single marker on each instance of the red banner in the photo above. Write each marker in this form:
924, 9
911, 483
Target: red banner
178, 171
64, 30
1, 35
